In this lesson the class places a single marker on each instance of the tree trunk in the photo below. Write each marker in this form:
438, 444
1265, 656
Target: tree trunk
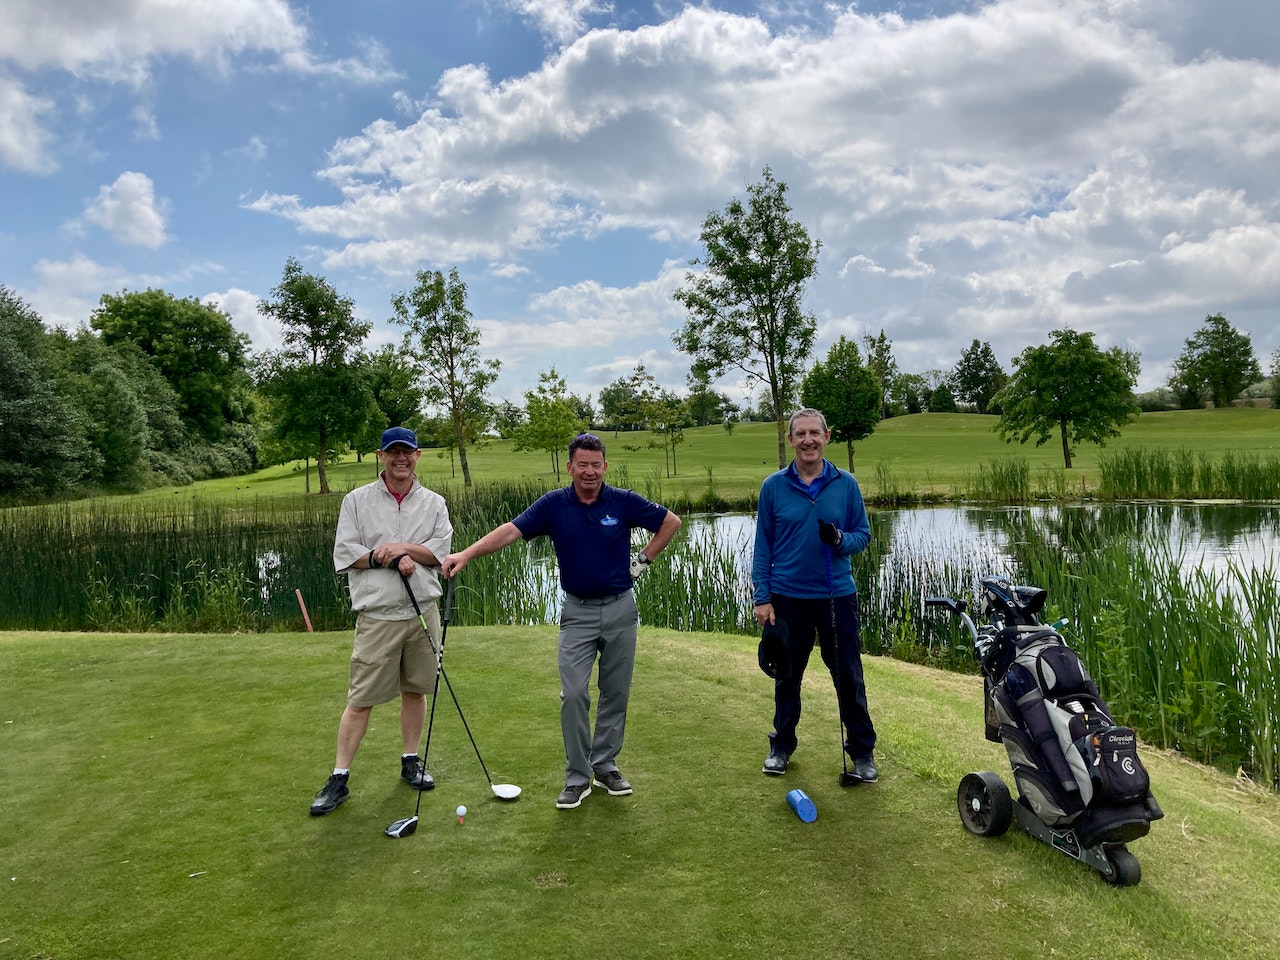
848, 445
782, 441
1066, 447
320, 465
307, 475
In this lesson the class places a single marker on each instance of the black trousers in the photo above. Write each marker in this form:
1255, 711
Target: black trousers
835, 625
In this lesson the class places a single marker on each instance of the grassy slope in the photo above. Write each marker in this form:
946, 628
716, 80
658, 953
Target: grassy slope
927, 453
134, 762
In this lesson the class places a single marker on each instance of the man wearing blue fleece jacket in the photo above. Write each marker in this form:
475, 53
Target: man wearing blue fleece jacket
810, 520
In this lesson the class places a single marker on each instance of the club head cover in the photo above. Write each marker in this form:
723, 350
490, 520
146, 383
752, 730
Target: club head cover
775, 657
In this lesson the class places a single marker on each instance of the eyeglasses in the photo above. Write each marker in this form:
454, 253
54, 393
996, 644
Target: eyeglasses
586, 436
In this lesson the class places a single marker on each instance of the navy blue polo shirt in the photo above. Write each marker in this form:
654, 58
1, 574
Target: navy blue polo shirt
592, 540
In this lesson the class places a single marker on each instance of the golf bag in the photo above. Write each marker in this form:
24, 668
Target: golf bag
1073, 765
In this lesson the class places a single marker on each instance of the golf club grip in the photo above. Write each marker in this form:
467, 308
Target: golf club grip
448, 599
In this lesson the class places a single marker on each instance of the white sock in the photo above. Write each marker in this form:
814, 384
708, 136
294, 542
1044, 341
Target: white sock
341, 771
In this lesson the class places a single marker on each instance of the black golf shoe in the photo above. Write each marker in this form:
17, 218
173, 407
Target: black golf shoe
414, 773
775, 765
865, 770
335, 792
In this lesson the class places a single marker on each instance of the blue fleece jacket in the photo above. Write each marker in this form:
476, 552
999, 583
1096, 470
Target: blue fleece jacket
790, 559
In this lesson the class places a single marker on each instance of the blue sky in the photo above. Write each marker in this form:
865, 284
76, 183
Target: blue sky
989, 170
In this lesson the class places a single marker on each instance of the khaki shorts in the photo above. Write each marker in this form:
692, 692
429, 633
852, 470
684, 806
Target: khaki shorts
391, 657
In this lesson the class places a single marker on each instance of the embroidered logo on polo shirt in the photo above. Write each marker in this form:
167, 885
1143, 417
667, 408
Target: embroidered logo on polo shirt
608, 521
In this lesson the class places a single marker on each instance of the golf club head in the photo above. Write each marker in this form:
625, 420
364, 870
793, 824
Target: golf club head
403, 828
505, 791
848, 779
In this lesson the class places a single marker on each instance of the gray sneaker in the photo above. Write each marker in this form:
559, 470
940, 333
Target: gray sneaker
572, 794
614, 783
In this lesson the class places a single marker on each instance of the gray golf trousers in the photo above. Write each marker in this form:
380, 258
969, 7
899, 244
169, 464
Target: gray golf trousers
604, 627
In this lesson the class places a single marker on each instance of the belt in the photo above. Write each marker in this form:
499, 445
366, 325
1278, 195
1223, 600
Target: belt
596, 601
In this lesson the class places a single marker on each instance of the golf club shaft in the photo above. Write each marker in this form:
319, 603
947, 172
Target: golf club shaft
835, 647
448, 608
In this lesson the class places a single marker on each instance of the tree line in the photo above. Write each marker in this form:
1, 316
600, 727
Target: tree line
157, 389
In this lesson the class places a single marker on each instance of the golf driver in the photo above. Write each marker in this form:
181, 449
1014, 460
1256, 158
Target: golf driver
847, 779
407, 826
503, 791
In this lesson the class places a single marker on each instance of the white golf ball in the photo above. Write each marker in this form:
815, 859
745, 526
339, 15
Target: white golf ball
462, 811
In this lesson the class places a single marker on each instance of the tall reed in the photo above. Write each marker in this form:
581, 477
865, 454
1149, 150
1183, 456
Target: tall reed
1161, 474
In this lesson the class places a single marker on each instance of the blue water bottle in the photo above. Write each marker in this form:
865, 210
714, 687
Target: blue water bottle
799, 801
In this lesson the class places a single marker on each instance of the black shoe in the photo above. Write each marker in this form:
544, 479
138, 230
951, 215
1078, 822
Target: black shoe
775, 765
414, 772
572, 794
335, 792
614, 783
865, 770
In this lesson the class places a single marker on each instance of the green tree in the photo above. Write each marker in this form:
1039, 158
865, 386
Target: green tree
552, 421
393, 381
619, 405
746, 307
316, 382
193, 345
508, 417
941, 400
42, 442
846, 392
707, 406
1069, 385
446, 345
883, 367
1217, 363
667, 416
978, 376
1275, 379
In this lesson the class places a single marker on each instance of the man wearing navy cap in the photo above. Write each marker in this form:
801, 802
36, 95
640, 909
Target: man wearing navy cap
387, 529
590, 526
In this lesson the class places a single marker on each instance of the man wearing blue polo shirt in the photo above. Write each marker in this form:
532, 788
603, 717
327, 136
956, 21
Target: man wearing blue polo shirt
590, 526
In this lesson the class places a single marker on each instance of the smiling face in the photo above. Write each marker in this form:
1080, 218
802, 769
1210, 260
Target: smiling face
586, 469
809, 441
398, 463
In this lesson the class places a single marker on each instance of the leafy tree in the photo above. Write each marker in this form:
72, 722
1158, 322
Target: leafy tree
446, 345
316, 383
941, 400
619, 405
846, 392
583, 406
883, 366
553, 420
1275, 379
667, 416
978, 376
746, 308
507, 419
393, 381
42, 445
707, 406
908, 393
1217, 363
1070, 385
195, 347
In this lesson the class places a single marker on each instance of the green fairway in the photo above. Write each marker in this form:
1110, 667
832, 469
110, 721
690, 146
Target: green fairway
156, 793
929, 454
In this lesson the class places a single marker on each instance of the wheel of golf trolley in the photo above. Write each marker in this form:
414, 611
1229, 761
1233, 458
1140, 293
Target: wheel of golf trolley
1125, 869
984, 804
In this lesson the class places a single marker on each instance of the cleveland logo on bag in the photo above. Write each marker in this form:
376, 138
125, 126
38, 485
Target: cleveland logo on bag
1115, 765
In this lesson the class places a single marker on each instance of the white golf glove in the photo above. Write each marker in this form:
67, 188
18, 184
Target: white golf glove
639, 563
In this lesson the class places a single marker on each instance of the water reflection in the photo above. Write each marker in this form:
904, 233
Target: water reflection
1205, 536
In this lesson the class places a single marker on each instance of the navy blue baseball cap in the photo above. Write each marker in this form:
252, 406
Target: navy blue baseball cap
401, 435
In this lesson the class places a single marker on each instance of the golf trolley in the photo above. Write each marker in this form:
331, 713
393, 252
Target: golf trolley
1081, 787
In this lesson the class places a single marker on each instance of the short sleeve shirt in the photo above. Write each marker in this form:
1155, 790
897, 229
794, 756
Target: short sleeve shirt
592, 540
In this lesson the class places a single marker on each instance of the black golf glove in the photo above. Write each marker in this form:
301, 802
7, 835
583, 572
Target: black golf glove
828, 533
